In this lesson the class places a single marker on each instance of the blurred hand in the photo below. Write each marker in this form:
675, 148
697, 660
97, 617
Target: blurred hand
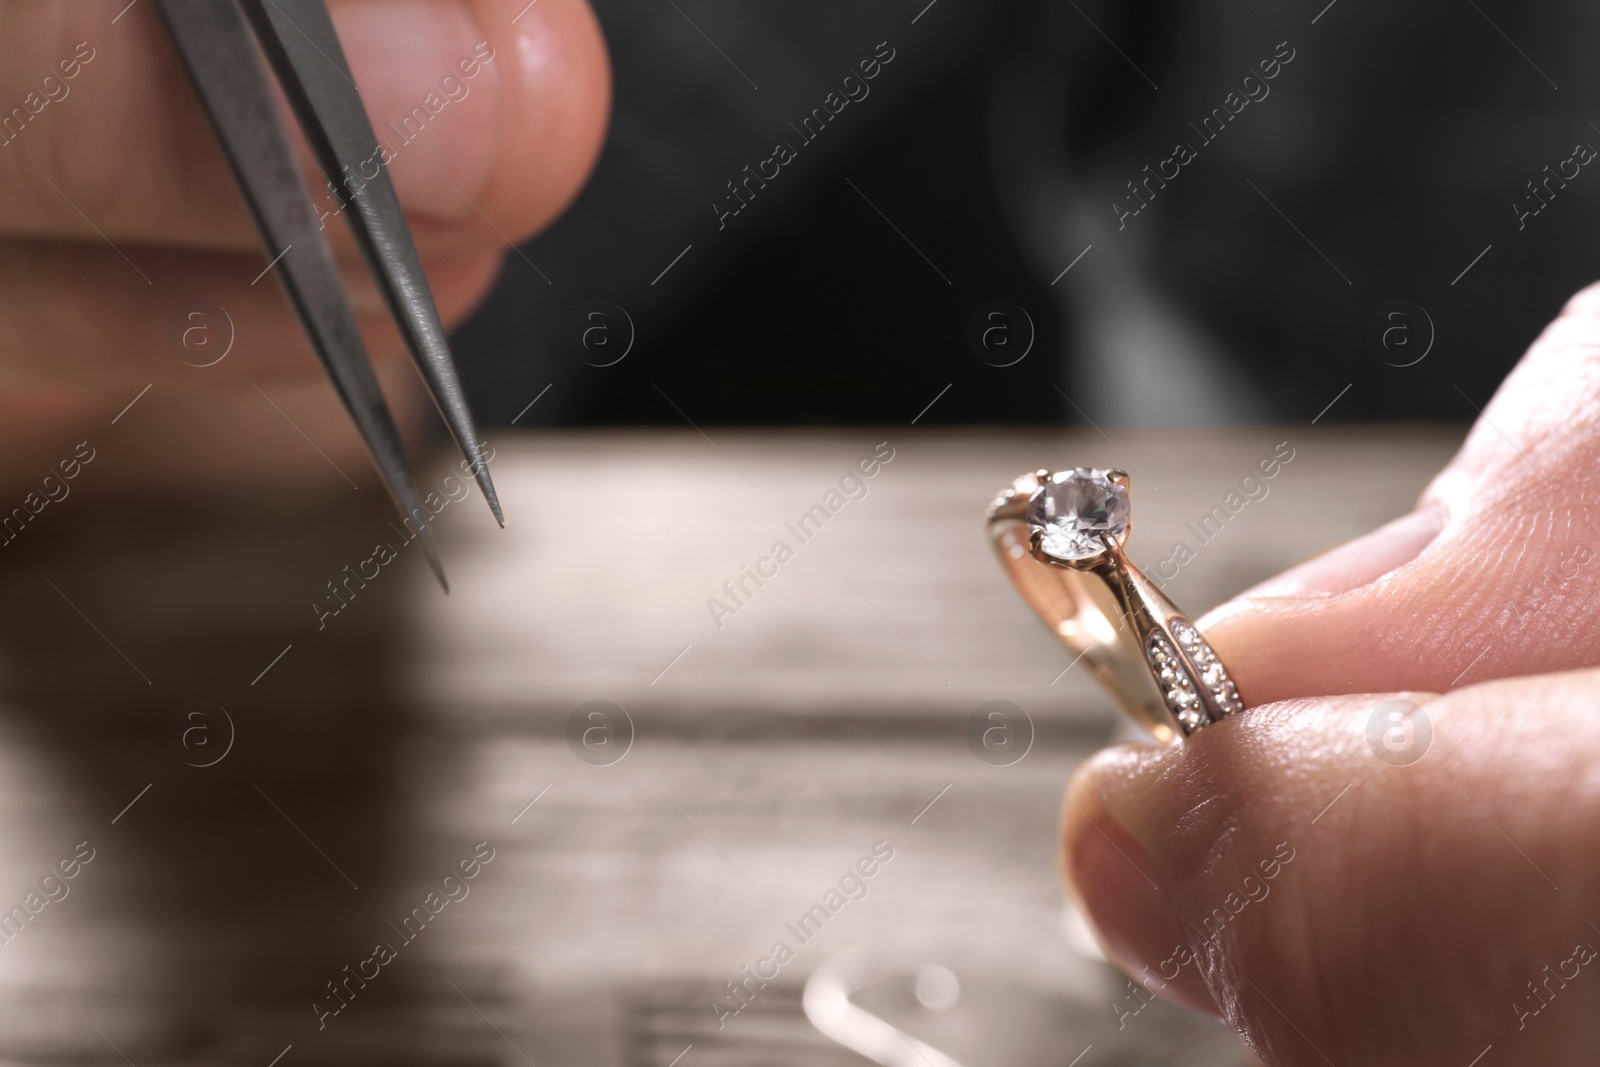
1406, 899
118, 215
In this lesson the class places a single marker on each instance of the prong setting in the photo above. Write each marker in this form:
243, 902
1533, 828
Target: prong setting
1077, 517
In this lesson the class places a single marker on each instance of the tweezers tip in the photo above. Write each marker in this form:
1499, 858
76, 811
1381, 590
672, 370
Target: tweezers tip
434, 562
487, 485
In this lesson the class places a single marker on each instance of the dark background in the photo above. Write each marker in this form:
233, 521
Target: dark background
1386, 157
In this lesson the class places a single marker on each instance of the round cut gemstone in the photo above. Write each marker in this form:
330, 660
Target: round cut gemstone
1077, 511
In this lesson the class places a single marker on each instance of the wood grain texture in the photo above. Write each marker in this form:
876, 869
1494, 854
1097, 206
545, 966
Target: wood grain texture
824, 716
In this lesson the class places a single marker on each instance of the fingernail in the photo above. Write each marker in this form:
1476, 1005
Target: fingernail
1360, 562
433, 99
1119, 891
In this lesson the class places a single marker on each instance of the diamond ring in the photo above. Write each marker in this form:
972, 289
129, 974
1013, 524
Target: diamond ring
1052, 530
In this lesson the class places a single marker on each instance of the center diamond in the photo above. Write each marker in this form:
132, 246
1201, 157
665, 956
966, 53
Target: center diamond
1077, 511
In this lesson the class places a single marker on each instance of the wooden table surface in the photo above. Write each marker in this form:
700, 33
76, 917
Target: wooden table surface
768, 753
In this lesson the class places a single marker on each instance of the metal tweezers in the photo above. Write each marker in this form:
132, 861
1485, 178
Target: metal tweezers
221, 42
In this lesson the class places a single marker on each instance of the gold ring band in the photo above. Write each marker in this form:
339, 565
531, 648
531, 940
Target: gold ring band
1053, 532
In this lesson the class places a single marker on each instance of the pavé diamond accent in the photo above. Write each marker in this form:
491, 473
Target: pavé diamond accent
1076, 511
1176, 685
1179, 687
1213, 675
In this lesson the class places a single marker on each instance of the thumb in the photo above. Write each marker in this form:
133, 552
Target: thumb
1484, 580
1343, 897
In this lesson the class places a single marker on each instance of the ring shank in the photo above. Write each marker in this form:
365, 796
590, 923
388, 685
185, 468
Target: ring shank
1100, 639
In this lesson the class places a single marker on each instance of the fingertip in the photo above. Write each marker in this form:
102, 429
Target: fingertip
1154, 837
556, 81
1327, 625
435, 97
1118, 888
489, 114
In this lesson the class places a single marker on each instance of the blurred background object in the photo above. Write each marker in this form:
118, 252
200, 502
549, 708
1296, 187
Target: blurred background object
1396, 153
